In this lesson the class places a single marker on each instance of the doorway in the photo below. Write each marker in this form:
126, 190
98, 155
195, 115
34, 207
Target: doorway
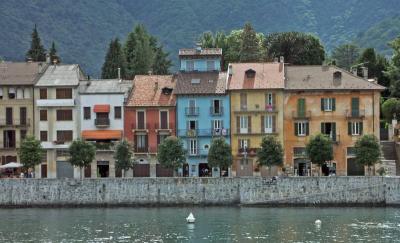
354, 168
302, 167
204, 170
103, 169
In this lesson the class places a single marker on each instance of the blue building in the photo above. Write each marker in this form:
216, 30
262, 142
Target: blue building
203, 109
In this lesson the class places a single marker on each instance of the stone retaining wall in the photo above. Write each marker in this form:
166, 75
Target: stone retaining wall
295, 191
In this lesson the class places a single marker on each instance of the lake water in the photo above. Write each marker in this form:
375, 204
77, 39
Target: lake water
213, 224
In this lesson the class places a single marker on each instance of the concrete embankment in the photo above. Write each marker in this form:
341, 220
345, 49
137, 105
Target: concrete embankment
294, 191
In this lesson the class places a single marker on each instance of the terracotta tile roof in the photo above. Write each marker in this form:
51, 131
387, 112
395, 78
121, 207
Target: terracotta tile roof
101, 134
202, 52
321, 78
20, 73
200, 83
267, 76
148, 91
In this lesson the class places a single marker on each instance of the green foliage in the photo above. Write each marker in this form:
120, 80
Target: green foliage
30, 152
367, 150
219, 154
82, 153
297, 48
123, 156
53, 53
161, 64
114, 59
393, 71
250, 46
319, 149
391, 109
171, 154
270, 153
37, 51
346, 55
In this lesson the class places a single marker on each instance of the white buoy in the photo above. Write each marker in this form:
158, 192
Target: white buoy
318, 222
190, 219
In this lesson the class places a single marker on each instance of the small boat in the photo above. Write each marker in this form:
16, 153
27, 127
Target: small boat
318, 222
190, 219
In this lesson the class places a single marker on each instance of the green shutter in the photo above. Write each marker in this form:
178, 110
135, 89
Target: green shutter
333, 104
301, 107
296, 130
334, 131
322, 104
361, 128
323, 127
262, 124
307, 128
349, 128
355, 103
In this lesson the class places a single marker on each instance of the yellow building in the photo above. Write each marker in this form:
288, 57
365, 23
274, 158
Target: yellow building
256, 98
328, 100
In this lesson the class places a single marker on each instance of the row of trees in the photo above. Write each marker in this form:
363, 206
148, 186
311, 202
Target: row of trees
37, 53
141, 53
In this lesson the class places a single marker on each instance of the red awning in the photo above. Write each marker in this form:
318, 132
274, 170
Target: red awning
101, 108
101, 134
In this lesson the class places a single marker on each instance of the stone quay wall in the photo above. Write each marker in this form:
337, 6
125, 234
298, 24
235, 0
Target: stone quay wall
292, 191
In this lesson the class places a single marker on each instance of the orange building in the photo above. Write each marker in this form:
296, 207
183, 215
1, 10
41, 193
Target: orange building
328, 100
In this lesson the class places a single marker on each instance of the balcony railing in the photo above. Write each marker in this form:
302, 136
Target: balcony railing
301, 115
203, 132
198, 152
169, 126
100, 146
258, 108
356, 114
192, 111
102, 122
251, 152
55, 102
148, 149
216, 111
15, 122
142, 126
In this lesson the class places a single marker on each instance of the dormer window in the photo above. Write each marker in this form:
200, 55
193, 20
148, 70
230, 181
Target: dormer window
166, 91
250, 73
337, 75
195, 81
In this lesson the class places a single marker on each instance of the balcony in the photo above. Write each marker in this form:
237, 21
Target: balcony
15, 123
102, 122
55, 103
250, 152
198, 153
143, 150
355, 114
192, 111
257, 108
101, 146
216, 111
203, 132
301, 116
141, 127
167, 127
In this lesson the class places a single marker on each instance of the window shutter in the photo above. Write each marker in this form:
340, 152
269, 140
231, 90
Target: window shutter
334, 131
273, 99
248, 143
307, 128
361, 128
333, 104
187, 125
196, 125
262, 124
222, 124
349, 128
355, 103
249, 123
323, 127
239, 145
322, 104
301, 107
238, 124
296, 129
273, 123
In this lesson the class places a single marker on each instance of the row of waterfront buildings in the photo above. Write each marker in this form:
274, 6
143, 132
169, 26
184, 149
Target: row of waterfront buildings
57, 104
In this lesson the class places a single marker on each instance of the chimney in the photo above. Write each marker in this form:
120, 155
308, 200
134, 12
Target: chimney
230, 70
281, 59
365, 72
276, 60
29, 59
337, 78
156, 86
150, 72
119, 74
198, 47
48, 59
354, 71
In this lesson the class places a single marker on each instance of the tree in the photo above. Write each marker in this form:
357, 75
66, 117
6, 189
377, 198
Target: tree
250, 47
367, 151
393, 70
220, 154
30, 152
53, 53
319, 149
82, 154
296, 48
161, 63
346, 55
114, 59
123, 156
391, 109
171, 154
270, 153
37, 52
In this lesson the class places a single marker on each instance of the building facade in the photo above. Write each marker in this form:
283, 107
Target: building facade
57, 118
16, 105
149, 119
102, 122
256, 99
203, 107
328, 100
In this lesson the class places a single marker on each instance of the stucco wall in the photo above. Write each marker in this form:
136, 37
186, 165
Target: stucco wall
175, 191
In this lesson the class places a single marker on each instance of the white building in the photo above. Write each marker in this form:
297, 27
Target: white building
102, 121
57, 113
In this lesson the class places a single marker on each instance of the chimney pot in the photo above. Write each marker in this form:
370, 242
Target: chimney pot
48, 59
282, 59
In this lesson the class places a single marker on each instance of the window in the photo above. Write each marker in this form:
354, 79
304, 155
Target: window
244, 124
217, 107
328, 104
11, 93
192, 125
117, 112
62, 153
64, 93
355, 128
161, 138
64, 136
1, 93
193, 147
86, 113
9, 116
329, 129
243, 101
20, 93
301, 107
301, 128
23, 134
141, 143
43, 94
268, 124
164, 119
269, 100
192, 110
64, 115
243, 143
43, 115
189, 65
9, 139
27, 93
299, 152
210, 65
355, 107
140, 120
217, 124
43, 136
22, 115
351, 151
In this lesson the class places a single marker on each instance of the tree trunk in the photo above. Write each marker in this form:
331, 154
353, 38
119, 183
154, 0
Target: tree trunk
80, 172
